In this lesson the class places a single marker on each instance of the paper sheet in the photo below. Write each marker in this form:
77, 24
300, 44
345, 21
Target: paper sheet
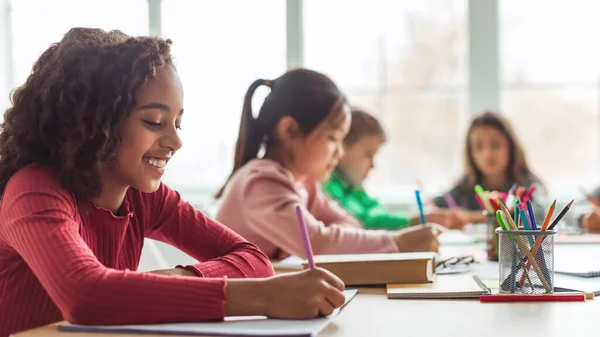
232, 326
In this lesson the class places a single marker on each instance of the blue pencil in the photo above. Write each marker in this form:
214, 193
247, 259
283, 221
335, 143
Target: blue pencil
420, 204
531, 215
517, 213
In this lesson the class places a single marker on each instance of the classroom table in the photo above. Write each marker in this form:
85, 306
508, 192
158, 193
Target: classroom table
370, 313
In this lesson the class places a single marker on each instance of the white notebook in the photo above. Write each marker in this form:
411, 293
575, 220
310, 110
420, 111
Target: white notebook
232, 326
584, 285
446, 286
579, 271
577, 260
455, 237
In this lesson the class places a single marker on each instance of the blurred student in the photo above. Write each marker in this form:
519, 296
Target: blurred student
586, 213
361, 144
82, 152
494, 159
301, 126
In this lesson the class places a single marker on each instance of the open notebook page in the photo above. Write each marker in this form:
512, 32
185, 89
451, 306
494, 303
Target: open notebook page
577, 260
232, 326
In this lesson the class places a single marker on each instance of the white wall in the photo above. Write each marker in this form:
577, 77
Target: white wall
6, 78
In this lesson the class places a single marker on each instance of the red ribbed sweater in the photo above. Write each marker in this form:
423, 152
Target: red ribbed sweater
60, 259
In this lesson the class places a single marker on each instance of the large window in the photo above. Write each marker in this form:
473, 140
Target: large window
220, 48
6, 66
405, 62
32, 25
38, 23
550, 86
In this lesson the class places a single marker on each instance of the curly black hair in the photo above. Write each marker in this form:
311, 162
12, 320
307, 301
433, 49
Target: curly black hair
68, 113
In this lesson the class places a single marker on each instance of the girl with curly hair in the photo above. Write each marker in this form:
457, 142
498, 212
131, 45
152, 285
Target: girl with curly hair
82, 152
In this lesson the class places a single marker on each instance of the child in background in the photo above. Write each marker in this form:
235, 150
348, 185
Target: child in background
586, 214
361, 144
495, 160
301, 126
82, 152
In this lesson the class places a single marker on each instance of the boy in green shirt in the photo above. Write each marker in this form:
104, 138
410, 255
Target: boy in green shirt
345, 183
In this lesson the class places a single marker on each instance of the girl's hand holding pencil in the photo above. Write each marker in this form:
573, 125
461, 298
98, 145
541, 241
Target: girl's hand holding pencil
591, 221
449, 218
314, 292
306, 294
474, 217
421, 238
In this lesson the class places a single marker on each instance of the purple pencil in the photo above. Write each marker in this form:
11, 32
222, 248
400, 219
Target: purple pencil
305, 238
450, 200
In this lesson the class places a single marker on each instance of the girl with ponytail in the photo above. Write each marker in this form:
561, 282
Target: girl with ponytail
301, 127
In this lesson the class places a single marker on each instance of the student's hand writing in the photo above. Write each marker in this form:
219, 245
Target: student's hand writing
175, 272
302, 295
475, 217
421, 238
449, 218
591, 221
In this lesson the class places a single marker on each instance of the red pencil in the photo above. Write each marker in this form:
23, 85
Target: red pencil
494, 203
558, 297
480, 202
527, 195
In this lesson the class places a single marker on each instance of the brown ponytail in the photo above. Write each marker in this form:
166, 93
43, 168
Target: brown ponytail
306, 95
249, 140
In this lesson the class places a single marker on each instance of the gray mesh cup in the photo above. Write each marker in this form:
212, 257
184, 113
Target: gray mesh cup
526, 261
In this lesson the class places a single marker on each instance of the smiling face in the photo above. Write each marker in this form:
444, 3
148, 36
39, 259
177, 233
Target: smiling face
149, 137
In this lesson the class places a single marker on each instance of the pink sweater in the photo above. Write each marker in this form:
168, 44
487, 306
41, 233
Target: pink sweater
258, 203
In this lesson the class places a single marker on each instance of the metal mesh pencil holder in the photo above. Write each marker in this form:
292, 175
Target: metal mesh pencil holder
526, 261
